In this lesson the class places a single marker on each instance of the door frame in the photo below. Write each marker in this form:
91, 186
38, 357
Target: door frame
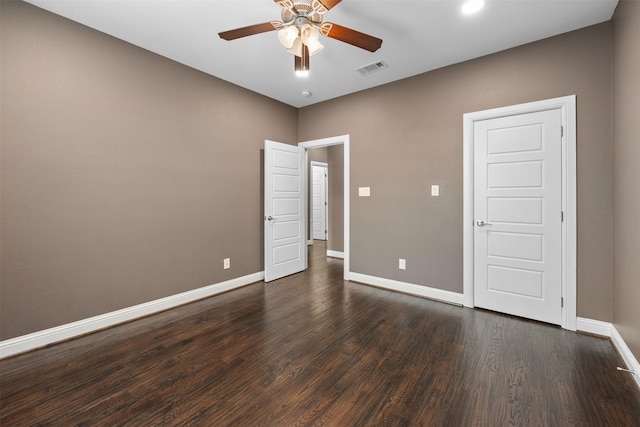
327, 142
567, 107
325, 197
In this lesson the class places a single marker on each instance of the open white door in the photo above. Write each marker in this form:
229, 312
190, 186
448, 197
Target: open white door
285, 249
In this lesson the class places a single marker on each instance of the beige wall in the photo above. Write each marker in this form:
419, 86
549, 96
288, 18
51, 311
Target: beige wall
626, 177
335, 158
126, 177
407, 135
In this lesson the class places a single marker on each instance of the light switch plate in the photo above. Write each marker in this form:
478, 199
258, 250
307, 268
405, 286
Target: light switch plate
364, 191
435, 190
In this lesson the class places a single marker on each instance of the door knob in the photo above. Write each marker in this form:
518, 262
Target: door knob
482, 223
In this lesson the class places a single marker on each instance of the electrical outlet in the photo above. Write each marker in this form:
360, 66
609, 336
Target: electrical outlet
364, 191
402, 264
227, 263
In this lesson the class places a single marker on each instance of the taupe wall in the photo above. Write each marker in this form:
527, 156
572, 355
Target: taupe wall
626, 177
335, 158
126, 177
407, 135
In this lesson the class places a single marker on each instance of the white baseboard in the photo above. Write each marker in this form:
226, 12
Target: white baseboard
409, 288
627, 356
609, 330
39, 339
335, 254
595, 327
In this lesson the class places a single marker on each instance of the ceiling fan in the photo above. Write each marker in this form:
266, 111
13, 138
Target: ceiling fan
300, 28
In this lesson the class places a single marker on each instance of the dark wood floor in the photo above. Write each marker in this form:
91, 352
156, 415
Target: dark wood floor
311, 349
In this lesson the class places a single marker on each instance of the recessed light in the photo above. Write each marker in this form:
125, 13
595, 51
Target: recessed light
472, 6
306, 93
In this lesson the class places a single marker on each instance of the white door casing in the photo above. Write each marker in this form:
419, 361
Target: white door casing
503, 236
517, 204
343, 140
319, 200
285, 249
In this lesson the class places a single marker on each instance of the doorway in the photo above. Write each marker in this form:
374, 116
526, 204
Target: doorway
328, 142
520, 210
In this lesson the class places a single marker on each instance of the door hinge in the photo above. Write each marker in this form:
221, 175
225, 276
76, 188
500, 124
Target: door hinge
561, 302
561, 131
561, 216
325, 203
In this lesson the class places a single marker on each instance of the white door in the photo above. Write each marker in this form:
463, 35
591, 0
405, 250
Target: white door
518, 215
285, 249
319, 202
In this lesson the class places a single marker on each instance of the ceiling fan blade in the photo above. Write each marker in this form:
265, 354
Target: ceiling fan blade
326, 5
353, 37
247, 31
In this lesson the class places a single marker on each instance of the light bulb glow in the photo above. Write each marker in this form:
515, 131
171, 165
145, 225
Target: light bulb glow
472, 6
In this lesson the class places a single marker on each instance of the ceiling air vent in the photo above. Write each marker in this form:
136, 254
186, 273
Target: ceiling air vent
372, 68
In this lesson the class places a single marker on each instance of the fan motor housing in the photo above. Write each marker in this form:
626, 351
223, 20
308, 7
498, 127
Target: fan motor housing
300, 14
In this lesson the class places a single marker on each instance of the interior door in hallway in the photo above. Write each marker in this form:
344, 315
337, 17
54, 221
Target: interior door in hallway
518, 215
285, 215
319, 200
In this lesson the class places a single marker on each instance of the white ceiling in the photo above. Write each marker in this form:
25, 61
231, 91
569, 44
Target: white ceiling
418, 36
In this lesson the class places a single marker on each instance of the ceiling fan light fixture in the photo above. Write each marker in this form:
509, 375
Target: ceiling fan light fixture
287, 36
309, 34
315, 48
296, 48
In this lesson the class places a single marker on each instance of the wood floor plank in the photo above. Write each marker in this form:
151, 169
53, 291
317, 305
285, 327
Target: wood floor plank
311, 349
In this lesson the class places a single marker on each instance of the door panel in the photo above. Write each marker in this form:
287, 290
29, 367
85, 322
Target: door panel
515, 175
517, 215
515, 281
284, 234
518, 246
515, 209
